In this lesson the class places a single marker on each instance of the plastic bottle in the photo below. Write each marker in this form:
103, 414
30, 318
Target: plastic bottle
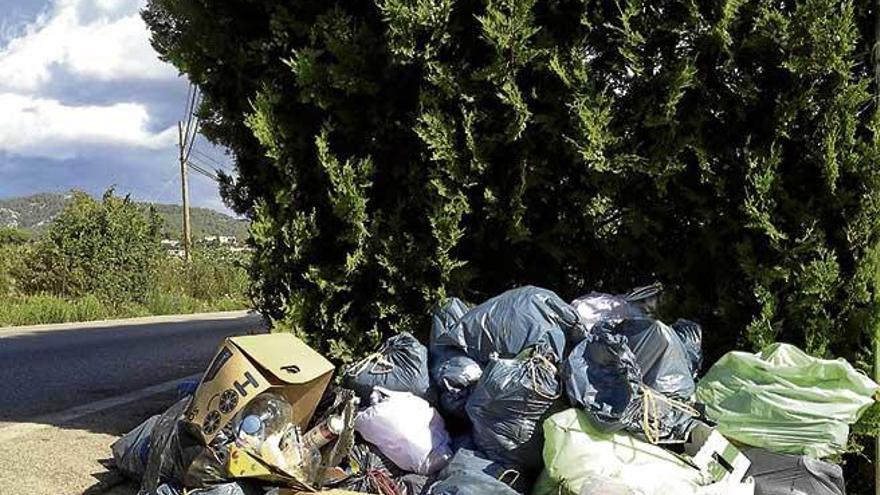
266, 417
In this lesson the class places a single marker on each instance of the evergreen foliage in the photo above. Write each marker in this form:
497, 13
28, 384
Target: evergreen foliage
391, 152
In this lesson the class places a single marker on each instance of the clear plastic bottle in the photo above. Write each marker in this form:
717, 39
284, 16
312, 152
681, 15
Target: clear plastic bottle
265, 418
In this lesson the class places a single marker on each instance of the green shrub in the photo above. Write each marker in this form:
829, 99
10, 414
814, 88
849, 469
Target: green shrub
11, 236
108, 248
212, 274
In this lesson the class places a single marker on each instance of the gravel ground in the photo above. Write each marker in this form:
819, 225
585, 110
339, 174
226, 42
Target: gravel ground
73, 458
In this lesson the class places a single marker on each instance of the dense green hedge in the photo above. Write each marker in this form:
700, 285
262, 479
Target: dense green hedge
392, 152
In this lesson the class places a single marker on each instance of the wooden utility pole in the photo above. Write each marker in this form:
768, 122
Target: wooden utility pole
184, 187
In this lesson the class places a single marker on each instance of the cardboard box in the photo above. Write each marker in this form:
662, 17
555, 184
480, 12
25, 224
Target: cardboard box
247, 366
714, 455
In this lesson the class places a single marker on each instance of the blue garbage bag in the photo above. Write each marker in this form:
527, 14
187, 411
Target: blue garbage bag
691, 335
401, 365
513, 321
453, 373
508, 406
662, 356
470, 473
603, 376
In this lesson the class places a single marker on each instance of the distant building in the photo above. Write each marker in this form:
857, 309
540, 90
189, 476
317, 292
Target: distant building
223, 240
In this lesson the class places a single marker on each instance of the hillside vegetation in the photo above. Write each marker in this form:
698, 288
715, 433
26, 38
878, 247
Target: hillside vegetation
35, 213
103, 259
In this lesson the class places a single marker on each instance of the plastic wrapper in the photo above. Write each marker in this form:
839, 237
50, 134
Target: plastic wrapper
407, 430
232, 488
132, 451
784, 474
786, 401
508, 405
513, 321
401, 364
470, 474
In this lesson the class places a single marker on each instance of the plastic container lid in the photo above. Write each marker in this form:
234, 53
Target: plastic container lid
251, 424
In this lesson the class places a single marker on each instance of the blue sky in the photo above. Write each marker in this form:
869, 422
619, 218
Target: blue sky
86, 104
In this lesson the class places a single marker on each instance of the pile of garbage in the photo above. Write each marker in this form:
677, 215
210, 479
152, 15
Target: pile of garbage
524, 393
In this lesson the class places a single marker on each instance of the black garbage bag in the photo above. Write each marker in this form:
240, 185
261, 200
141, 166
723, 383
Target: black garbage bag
132, 451
453, 373
660, 354
509, 405
445, 316
646, 298
401, 364
784, 474
602, 375
367, 469
455, 378
513, 321
413, 484
177, 456
691, 335
468, 473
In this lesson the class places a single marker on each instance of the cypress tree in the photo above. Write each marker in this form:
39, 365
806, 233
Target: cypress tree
392, 152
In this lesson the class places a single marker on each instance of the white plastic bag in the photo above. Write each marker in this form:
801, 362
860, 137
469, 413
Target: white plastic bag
596, 306
407, 430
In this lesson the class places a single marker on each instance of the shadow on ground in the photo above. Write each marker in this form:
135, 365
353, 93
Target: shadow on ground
46, 373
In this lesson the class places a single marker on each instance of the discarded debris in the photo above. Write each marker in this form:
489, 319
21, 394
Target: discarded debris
502, 376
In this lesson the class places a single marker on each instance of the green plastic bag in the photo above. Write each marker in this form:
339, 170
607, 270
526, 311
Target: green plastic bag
578, 455
786, 401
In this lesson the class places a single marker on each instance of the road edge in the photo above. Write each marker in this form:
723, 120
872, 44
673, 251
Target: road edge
144, 320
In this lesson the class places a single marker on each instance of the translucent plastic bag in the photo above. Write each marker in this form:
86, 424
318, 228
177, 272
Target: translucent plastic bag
407, 430
786, 401
576, 454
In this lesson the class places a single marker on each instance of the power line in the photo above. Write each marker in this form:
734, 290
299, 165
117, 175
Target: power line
192, 124
208, 157
203, 171
202, 164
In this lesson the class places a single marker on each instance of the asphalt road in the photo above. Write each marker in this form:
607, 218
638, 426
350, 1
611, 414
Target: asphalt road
46, 371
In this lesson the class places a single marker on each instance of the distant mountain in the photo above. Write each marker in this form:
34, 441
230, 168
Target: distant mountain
35, 213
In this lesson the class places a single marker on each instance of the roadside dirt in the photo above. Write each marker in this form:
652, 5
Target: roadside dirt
73, 458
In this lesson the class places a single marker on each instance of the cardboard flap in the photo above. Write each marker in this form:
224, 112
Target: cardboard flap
284, 356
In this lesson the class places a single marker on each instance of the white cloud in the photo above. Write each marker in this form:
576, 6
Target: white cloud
48, 128
104, 40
